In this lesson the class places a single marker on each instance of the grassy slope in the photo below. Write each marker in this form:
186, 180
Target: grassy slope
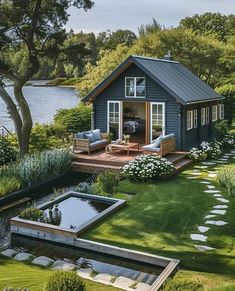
16, 274
160, 218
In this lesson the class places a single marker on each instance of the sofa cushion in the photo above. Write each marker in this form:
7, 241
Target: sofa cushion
168, 136
96, 134
79, 135
98, 143
151, 148
157, 142
89, 135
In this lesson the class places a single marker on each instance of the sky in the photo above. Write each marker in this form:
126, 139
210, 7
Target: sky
130, 14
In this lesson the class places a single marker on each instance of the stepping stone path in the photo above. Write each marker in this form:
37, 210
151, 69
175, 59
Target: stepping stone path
9, 253
64, 266
200, 237
216, 222
210, 187
123, 282
142, 287
217, 211
23, 257
220, 207
223, 200
43, 261
208, 163
203, 248
212, 175
210, 215
203, 228
217, 195
212, 191
200, 167
205, 182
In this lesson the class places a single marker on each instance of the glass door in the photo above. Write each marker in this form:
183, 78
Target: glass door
157, 120
114, 119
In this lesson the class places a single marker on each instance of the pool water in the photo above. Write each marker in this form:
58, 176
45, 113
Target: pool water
72, 212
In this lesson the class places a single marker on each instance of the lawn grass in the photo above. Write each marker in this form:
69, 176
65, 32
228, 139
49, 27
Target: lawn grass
161, 216
17, 274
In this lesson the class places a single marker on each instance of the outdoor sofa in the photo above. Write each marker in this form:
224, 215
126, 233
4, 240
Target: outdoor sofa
162, 146
89, 141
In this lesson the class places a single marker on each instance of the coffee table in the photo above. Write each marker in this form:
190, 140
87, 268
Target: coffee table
122, 147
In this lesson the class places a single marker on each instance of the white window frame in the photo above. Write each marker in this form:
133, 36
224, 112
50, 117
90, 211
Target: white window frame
119, 118
214, 113
163, 118
207, 115
135, 96
195, 118
189, 121
221, 111
203, 116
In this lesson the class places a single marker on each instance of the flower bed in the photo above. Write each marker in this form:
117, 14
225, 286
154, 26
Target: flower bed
147, 167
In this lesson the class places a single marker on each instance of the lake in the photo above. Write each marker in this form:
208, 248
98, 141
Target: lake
43, 102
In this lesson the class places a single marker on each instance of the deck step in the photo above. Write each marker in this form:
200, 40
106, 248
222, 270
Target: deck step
175, 158
182, 164
83, 167
99, 162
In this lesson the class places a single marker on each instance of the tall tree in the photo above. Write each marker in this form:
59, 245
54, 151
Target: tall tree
221, 26
37, 26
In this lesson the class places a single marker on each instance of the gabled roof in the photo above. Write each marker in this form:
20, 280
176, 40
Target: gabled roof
175, 78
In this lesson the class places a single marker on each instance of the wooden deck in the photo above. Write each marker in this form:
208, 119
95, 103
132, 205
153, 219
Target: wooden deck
99, 161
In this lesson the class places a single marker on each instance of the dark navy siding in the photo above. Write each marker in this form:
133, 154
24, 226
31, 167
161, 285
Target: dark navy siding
154, 93
195, 136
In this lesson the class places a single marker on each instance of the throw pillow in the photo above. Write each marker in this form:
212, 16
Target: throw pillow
89, 135
157, 142
96, 134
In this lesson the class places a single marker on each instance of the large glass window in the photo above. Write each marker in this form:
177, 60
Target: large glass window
214, 113
135, 87
157, 120
189, 119
114, 119
221, 111
207, 115
203, 116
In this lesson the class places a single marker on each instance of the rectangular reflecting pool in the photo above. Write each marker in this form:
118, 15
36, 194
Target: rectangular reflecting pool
73, 211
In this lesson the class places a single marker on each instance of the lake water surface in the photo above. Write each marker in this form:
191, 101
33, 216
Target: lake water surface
43, 102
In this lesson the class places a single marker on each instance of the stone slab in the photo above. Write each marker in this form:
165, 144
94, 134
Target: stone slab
84, 273
103, 277
223, 200
202, 228
43, 261
210, 186
211, 191
210, 216
203, 248
142, 287
220, 207
199, 237
9, 253
218, 211
216, 222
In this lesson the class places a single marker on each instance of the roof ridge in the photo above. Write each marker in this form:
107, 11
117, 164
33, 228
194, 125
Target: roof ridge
155, 59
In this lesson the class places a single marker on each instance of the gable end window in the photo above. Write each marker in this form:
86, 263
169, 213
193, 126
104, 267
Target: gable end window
207, 115
214, 113
221, 111
135, 87
203, 116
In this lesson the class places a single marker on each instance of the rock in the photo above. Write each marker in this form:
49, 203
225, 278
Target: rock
203, 228
9, 253
202, 248
63, 266
43, 261
199, 237
84, 273
123, 282
142, 287
216, 222
103, 277
23, 257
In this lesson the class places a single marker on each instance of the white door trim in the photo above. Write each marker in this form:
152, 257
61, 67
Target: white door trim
120, 116
163, 118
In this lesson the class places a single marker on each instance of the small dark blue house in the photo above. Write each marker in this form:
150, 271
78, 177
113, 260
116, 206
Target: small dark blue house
146, 97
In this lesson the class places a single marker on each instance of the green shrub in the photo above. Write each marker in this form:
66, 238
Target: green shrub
31, 213
48, 136
7, 152
39, 167
107, 182
9, 184
74, 119
221, 129
186, 285
147, 167
65, 281
226, 178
